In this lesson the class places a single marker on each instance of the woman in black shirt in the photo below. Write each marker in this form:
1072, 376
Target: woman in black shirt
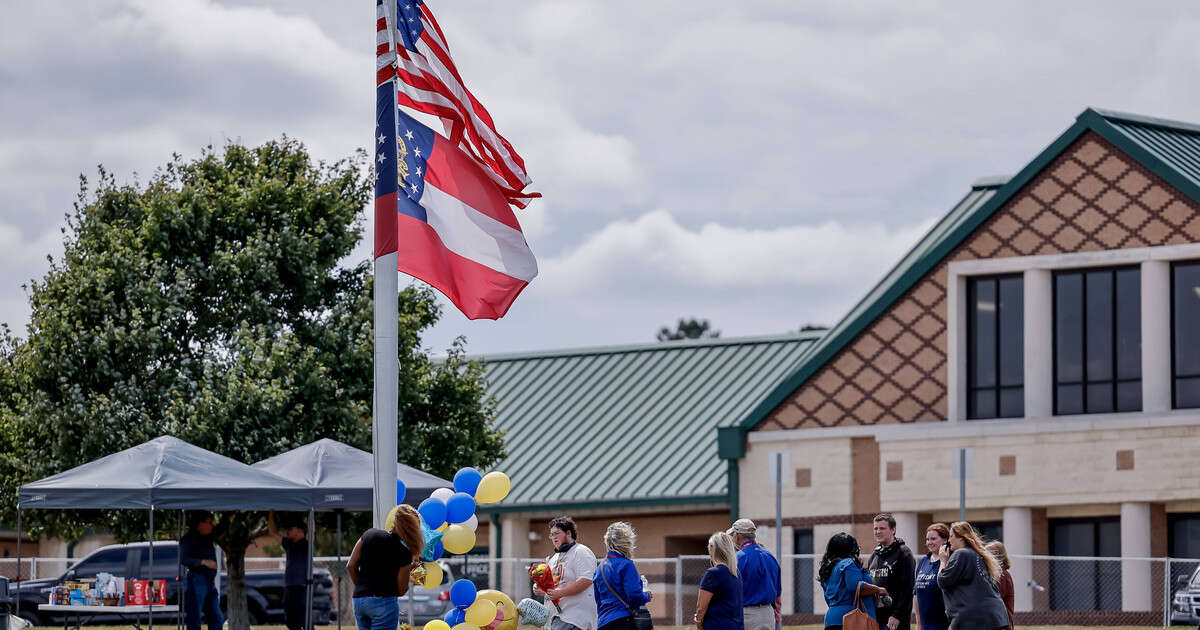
379, 567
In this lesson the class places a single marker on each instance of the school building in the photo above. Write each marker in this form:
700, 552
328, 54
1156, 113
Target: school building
1049, 324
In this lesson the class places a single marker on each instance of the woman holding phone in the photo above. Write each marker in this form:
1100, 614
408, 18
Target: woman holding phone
968, 578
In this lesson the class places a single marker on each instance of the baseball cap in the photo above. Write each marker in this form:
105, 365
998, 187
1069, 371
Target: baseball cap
743, 526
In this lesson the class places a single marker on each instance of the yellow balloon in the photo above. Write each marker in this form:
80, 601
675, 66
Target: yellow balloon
390, 521
504, 604
465, 626
493, 487
482, 612
437, 624
442, 527
433, 576
458, 539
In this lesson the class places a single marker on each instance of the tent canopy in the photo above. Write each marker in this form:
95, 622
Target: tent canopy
342, 477
165, 473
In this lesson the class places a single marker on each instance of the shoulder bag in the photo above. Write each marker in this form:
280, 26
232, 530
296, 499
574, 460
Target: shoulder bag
858, 619
641, 615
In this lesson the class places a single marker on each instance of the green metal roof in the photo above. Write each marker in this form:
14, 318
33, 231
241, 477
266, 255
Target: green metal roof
629, 425
1168, 149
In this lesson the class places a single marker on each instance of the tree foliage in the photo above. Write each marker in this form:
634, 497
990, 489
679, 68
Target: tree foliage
214, 304
690, 328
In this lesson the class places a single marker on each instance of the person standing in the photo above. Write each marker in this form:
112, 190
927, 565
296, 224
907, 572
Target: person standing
1005, 585
198, 554
617, 585
842, 577
295, 572
758, 571
573, 566
379, 567
931, 608
719, 602
892, 566
968, 578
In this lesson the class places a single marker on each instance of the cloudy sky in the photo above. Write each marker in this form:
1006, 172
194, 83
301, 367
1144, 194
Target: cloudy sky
760, 163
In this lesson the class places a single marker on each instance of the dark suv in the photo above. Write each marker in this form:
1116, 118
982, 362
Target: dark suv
264, 589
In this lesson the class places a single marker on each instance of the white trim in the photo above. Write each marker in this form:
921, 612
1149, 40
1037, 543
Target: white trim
989, 428
1104, 258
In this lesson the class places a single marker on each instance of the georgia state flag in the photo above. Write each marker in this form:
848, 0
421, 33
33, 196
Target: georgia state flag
454, 229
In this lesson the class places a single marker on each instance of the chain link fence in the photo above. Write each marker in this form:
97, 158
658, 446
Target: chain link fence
1049, 590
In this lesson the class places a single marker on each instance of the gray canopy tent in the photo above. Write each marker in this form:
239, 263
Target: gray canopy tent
165, 473
342, 477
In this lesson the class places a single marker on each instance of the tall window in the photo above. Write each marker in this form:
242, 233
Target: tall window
1098, 340
1185, 333
995, 347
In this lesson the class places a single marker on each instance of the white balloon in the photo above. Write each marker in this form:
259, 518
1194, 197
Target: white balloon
472, 523
442, 494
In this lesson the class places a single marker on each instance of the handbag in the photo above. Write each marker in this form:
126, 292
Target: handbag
641, 615
858, 619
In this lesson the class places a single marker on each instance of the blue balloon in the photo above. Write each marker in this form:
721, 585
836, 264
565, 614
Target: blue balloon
455, 616
432, 542
467, 480
401, 491
433, 511
460, 507
462, 593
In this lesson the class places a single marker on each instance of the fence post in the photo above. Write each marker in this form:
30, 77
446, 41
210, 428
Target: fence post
1167, 594
33, 568
678, 591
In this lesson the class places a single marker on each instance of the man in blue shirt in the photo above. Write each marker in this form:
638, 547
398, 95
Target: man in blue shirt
759, 572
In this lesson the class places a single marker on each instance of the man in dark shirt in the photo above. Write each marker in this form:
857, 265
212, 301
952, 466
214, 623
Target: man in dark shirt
199, 556
892, 566
295, 573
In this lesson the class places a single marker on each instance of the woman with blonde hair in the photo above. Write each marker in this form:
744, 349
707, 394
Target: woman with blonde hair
719, 604
379, 567
617, 585
968, 578
1005, 585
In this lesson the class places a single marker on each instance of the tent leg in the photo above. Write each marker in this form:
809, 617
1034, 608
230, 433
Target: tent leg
179, 576
337, 583
18, 613
150, 573
308, 592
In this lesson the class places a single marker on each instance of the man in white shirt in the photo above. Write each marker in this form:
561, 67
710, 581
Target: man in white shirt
573, 566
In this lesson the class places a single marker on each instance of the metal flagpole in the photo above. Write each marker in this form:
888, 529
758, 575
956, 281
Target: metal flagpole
18, 607
387, 361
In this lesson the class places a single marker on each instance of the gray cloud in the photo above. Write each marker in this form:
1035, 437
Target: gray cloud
757, 121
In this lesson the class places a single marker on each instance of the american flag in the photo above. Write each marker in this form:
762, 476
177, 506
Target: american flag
411, 48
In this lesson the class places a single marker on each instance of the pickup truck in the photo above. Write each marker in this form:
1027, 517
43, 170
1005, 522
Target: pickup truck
264, 589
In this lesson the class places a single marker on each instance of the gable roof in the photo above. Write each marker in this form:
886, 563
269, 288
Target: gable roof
626, 426
1166, 148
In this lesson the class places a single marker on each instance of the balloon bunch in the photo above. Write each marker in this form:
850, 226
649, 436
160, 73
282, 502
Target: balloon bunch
448, 516
452, 512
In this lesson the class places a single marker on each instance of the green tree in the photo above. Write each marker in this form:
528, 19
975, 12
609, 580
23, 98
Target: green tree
690, 328
214, 304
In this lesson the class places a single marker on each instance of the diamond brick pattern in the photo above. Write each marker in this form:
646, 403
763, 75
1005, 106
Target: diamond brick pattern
1091, 197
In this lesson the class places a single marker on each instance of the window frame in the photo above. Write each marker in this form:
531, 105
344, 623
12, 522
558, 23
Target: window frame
1083, 383
972, 283
1175, 376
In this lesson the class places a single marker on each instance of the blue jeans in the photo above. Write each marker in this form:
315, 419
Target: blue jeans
200, 596
376, 613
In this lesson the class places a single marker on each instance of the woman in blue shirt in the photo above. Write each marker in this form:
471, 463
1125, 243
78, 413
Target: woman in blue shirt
616, 584
931, 608
841, 572
719, 603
